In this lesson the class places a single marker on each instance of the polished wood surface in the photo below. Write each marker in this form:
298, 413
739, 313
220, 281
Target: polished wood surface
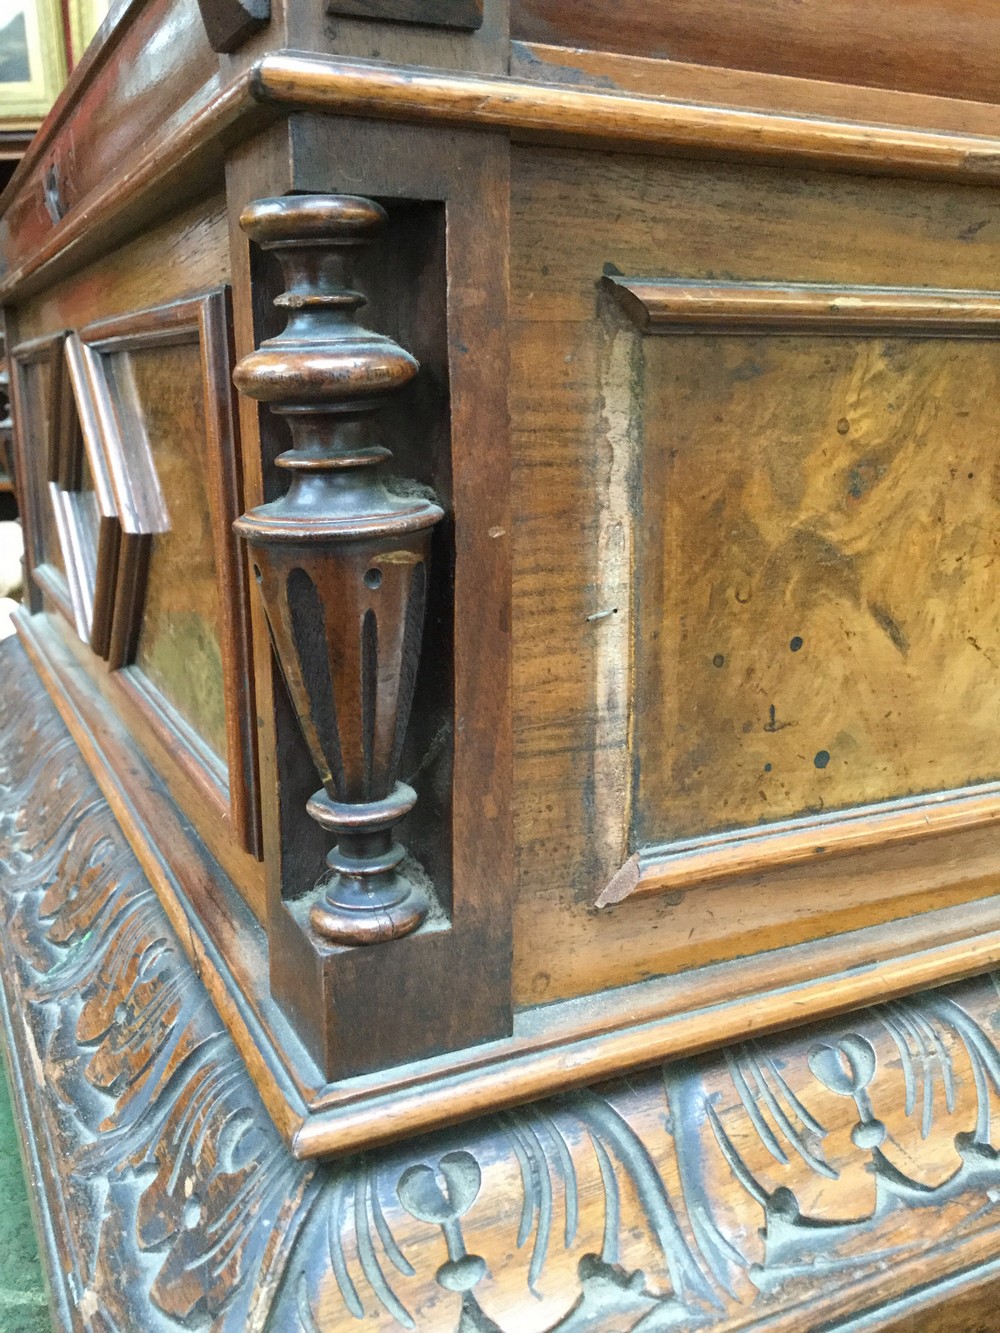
914, 45
614, 507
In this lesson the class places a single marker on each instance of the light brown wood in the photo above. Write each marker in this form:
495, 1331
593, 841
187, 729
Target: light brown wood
676, 306
582, 374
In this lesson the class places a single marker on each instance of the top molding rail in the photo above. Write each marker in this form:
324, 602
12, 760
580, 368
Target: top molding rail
526, 109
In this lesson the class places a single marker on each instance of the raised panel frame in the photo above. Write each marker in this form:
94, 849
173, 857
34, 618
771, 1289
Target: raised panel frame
43, 577
232, 793
678, 307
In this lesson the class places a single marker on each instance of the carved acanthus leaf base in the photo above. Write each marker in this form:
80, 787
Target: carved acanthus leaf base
790, 1182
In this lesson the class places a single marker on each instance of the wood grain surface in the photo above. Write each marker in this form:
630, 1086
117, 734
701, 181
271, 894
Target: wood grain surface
586, 390
817, 548
919, 46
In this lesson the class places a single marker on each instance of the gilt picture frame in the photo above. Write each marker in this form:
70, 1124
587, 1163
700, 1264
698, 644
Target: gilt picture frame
32, 58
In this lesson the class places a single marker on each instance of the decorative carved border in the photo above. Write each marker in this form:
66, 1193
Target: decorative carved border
706, 306
839, 1170
204, 320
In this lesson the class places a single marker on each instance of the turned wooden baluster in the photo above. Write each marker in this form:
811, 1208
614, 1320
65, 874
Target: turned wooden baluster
340, 561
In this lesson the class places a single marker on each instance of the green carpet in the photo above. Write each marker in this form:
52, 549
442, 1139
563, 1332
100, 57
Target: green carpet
24, 1306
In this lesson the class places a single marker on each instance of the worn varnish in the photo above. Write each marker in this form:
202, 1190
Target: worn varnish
768, 1181
549, 707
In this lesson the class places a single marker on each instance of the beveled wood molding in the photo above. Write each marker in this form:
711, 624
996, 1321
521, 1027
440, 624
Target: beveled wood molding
790, 842
530, 109
341, 562
842, 1172
554, 1047
682, 305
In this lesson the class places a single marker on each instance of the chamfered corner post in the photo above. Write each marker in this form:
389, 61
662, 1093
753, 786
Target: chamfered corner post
341, 560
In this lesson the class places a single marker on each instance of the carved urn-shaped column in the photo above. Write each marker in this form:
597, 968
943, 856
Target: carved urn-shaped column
341, 562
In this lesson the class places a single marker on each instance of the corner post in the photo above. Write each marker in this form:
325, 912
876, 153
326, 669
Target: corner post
340, 560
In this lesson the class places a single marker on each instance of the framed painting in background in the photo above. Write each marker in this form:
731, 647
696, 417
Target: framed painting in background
84, 17
32, 58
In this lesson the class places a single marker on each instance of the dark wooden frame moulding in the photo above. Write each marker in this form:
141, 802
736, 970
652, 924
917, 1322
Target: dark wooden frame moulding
43, 575
232, 791
676, 307
91, 557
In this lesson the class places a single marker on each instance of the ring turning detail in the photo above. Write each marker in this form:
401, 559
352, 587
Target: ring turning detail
340, 560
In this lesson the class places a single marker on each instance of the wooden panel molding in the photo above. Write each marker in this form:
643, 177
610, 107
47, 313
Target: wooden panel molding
709, 307
673, 306
844, 1170
83, 500
204, 324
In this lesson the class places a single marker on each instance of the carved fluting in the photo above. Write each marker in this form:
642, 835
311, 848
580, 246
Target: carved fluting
341, 562
787, 1183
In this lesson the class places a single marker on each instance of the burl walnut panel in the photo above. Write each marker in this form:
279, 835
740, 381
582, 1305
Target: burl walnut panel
818, 624
795, 1180
178, 648
584, 391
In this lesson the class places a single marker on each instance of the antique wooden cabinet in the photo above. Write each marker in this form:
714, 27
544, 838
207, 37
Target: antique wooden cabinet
501, 807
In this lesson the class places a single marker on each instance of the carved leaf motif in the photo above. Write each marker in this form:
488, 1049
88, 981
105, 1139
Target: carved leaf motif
846, 1068
420, 1193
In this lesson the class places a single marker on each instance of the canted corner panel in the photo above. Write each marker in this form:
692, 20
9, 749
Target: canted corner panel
83, 499
814, 641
